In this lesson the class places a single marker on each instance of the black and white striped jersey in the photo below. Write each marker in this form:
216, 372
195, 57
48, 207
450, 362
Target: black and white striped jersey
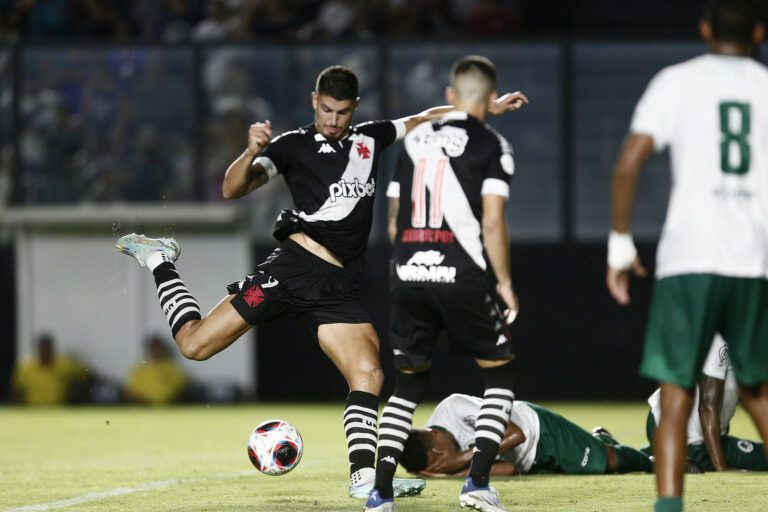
332, 183
445, 168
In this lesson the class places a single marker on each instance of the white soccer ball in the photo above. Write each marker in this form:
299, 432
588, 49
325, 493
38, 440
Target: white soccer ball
275, 447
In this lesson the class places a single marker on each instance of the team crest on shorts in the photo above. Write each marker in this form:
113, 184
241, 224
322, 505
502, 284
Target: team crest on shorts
745, 446
254, 296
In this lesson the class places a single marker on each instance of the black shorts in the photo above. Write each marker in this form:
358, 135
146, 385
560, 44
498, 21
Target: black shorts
293, 281
468, 315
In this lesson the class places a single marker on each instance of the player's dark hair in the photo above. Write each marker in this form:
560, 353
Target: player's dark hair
732, 21
414, 457
474, 64
338, 82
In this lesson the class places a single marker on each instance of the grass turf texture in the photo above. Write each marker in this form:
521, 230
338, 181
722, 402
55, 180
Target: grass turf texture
194, 459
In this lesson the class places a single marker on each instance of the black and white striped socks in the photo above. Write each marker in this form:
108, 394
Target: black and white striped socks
360, 419
396, 426
178, 304
489, 431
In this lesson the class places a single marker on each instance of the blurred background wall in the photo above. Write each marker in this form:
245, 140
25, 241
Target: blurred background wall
107, 103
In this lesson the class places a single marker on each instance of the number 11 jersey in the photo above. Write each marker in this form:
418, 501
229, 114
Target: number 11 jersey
441, 175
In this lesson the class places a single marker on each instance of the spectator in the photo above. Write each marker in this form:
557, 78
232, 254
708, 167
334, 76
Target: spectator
48, 378
219, 25
158, 379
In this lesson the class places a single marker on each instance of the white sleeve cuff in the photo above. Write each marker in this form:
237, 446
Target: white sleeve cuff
268, 166
393, 190
399, 125
496, 187
621, 250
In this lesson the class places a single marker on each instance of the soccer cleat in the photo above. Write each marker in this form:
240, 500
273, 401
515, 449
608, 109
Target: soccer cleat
361, 484
142, 247
485, 499
605, 436
376, 503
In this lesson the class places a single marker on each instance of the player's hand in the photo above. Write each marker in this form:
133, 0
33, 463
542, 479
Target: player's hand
618, 280
508, 103
444, 462
259, 135
508, 295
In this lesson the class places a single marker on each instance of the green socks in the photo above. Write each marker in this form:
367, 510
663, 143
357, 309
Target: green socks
669, 505
629, 460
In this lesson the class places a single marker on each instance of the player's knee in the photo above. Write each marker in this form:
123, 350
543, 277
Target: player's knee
368, 376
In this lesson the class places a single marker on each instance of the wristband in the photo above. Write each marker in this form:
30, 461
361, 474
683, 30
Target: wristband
621, 250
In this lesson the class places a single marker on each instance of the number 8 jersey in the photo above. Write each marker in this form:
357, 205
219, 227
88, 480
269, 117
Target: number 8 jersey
444, 169
712, 112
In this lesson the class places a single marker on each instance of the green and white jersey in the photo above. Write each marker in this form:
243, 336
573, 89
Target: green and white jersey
712, 112
718, 366
457, 414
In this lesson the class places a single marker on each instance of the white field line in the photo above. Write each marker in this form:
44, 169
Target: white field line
122, 491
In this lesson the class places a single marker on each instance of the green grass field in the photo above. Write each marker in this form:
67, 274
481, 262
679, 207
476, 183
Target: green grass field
194, 459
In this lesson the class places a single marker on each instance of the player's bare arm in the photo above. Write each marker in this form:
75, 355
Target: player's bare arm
456, 463
496, 237
447, 462
394, 208
509, 102
622, 255
710, 402
244, 176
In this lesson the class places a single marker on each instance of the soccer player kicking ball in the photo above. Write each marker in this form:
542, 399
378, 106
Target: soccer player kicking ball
536, 440
330, 167
450, 268
712, 259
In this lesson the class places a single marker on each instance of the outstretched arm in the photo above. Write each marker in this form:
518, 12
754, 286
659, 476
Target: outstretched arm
507, 103
622, 254
710, 402
243, 175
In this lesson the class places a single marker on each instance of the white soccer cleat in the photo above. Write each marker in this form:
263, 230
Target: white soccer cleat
485, 499
361, 484
142, 247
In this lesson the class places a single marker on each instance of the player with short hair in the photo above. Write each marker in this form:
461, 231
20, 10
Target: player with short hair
450, 263
535, 441
712, 259
330, 167
710, 448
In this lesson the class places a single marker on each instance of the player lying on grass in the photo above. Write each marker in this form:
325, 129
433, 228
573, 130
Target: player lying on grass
537, 440
710, 448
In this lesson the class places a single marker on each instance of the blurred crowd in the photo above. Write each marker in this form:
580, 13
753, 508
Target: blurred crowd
105, 126
232, 20
50, 377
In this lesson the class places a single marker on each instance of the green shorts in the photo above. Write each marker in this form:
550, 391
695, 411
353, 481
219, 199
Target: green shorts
686, 312
739, 453
564, 447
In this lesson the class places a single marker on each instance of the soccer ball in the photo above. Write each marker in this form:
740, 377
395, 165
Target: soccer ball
275, 447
